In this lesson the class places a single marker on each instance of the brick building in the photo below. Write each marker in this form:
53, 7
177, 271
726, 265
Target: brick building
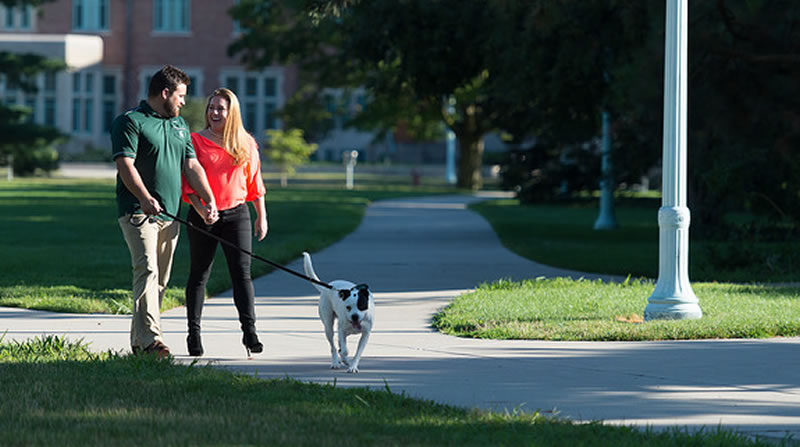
112, 47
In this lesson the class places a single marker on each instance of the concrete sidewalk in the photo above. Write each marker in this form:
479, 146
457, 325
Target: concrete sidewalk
417, 254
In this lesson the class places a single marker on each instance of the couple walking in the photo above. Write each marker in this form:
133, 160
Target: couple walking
217, 171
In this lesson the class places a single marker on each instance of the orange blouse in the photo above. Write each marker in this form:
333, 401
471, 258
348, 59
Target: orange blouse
232, 185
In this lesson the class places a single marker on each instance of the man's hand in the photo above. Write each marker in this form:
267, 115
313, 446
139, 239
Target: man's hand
150, 206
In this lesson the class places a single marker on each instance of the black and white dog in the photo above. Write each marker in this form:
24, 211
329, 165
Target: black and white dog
352, 305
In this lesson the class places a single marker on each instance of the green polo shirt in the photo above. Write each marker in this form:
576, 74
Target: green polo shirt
159, 147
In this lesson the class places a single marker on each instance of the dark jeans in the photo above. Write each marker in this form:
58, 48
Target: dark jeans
233, 226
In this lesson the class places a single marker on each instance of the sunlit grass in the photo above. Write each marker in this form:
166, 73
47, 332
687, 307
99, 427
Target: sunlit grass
63, 394
564, 309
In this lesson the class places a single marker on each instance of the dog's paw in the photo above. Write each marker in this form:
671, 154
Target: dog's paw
353, 369
337, 365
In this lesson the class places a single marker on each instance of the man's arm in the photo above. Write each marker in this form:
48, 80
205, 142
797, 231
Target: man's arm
133, 181
196, 177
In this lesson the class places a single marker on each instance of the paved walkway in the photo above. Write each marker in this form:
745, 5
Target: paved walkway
417, 254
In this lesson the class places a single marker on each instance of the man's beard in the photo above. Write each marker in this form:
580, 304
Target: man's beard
171, 109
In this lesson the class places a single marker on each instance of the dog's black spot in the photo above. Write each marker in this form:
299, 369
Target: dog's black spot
363, 299
344, 294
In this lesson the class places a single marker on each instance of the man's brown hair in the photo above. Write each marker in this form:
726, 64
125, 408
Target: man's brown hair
168, 77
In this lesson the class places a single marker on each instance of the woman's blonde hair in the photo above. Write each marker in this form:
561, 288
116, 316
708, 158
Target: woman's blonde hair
235, 139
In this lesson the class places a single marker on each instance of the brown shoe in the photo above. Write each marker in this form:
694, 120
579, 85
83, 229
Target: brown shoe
159, 349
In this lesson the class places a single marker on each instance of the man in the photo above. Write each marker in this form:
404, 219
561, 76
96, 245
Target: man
152, 147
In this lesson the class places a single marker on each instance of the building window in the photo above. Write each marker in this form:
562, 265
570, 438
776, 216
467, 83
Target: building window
250, 116
88, 113
109, 110
50, 82
237, 27
269, 86
10, 93
50, 111
171, 15
90, 15
16, 18
232, 84
269, 116
251, 87
49, 93
30, 102
76, 115
89, 82
191, 89
83, 101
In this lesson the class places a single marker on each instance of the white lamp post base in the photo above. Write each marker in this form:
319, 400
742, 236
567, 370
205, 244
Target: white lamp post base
673, 297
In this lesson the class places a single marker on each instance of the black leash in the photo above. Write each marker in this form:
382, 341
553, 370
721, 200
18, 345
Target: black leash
231, 244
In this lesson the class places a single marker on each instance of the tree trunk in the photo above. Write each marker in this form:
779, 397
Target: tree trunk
470, 161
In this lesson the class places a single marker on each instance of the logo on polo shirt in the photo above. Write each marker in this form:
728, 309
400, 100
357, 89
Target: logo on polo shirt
180, 128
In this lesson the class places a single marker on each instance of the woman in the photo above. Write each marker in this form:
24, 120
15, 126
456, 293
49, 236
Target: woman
230, 157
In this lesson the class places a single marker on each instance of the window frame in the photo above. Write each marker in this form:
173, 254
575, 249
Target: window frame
172, 16
91, 16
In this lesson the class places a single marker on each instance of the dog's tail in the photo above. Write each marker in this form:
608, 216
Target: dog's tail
309, 269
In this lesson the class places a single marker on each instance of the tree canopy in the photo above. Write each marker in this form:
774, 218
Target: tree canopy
546, 69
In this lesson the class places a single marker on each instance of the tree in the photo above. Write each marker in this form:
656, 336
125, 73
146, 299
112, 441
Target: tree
288, 149
402, 53
25, 145
743, 124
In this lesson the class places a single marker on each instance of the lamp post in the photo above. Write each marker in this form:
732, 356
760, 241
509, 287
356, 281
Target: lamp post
607, 219
450, 155
673, 297
349, 158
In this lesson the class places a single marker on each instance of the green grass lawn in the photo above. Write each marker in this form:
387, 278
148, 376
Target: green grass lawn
65, 395
563, 309
66, 252
562, 235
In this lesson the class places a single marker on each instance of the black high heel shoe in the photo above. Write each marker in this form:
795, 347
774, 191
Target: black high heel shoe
195, 345
251, 344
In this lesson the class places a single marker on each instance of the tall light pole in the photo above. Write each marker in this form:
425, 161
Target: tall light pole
607, 219
673, 297
450, 155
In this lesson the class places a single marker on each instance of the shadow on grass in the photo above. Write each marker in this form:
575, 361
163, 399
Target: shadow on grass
137, 400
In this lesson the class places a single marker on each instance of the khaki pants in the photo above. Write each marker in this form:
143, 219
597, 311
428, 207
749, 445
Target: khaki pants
152, 245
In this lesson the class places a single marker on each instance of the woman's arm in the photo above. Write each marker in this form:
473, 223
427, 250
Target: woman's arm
260, 226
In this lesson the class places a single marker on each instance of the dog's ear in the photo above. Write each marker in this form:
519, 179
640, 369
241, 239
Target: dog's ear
363, 297
344, 294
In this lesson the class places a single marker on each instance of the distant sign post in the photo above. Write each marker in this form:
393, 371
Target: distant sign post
673, 297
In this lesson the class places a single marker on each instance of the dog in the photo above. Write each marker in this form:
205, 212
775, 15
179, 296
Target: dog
353, 306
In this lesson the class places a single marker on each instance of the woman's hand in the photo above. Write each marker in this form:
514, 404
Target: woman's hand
260, 228
209, 213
